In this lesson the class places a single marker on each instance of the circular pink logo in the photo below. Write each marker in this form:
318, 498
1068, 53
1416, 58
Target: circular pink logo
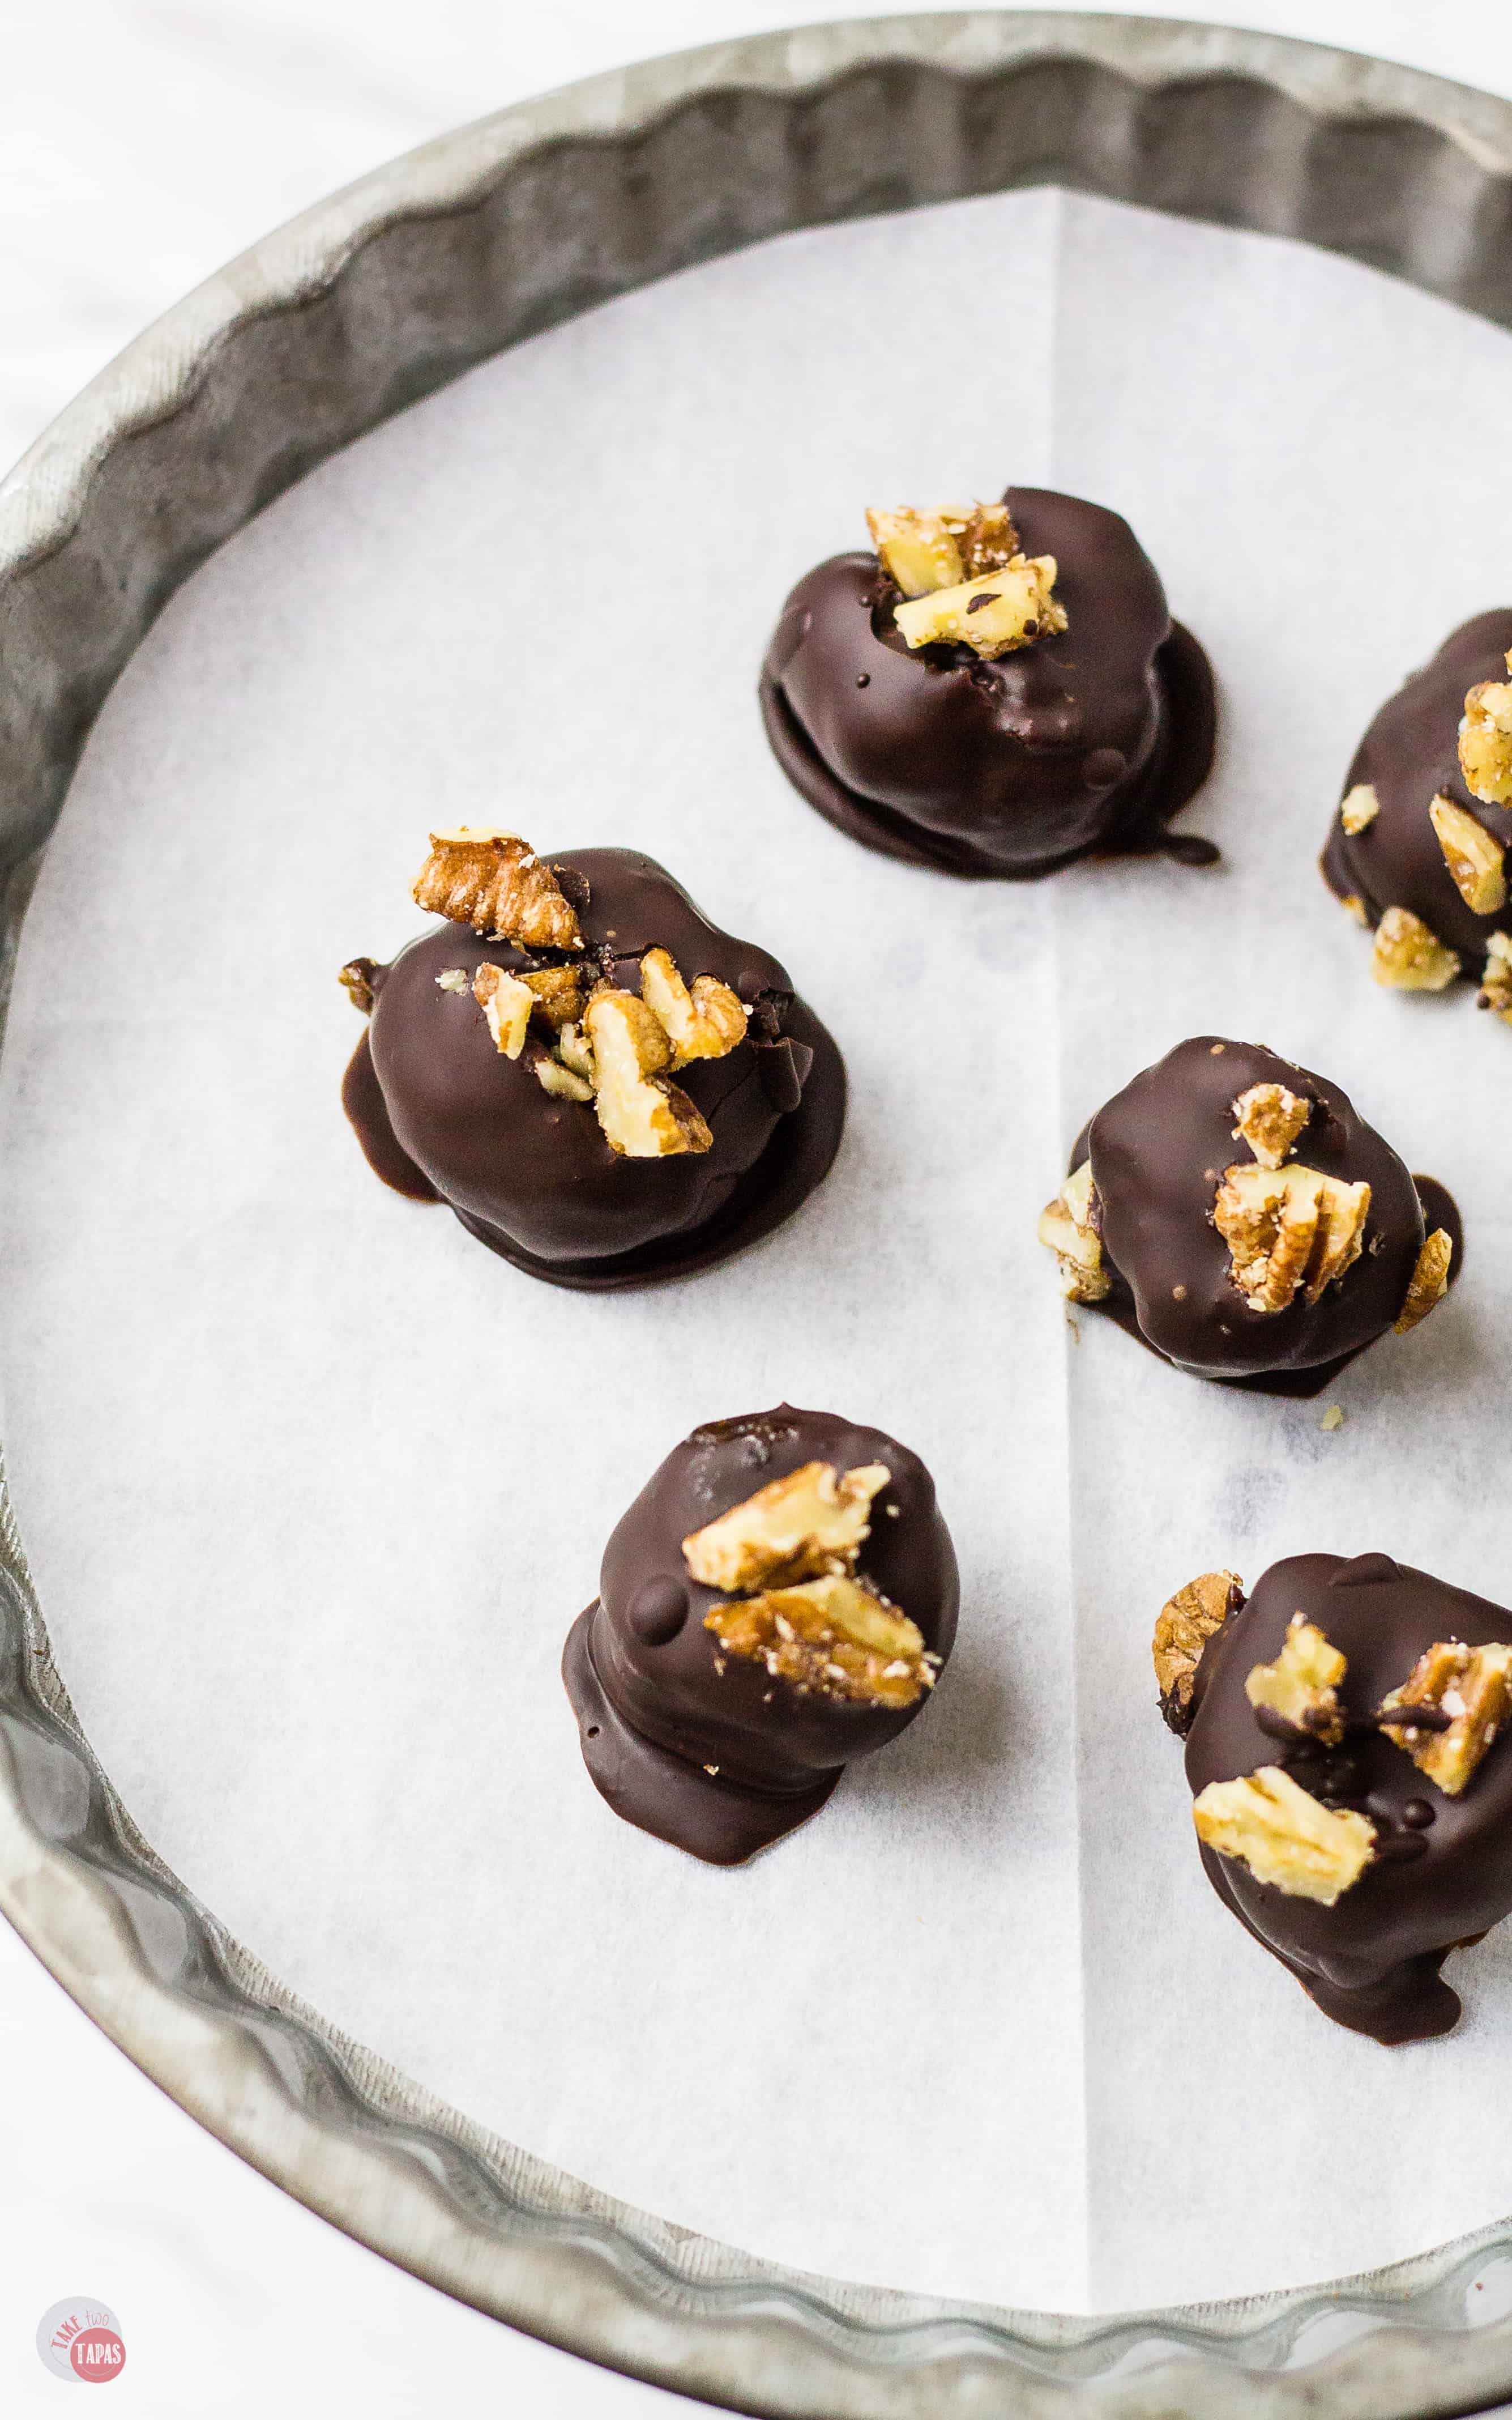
81, 2339
96, 2355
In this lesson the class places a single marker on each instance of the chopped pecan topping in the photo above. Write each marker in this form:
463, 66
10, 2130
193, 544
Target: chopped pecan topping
994, 614
1286, 1838
811, 1524
1475, 862
1486, 742
1301, 1685
1287, 1228
1183, 1626
1496, 983
559, 994
356, 980
921, 551
1471, 1685
490, 879
1409, 955
1360, 808
643, 1114
560, 1081
704, 1023
1068, 1228
575, 1051
833, 1634
1354, 906
506, 1003
1430, 1280
1269, 1121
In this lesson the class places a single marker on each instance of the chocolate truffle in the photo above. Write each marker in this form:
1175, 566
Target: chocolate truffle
996, 689
1236, 1213
780, 1598
605, 1087
1417, 848
1353, 1797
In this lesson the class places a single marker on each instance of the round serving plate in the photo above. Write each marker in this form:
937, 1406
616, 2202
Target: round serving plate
364, 305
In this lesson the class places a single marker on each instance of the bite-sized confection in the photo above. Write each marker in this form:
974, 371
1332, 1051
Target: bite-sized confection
1237, 1215
781, 1597
995, 689
1418, 845
604, 1087
1353, 1794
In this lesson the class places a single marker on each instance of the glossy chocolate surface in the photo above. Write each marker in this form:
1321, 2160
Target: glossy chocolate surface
1442, 1870
643, 1674
1159, 1148
1409, 754
1091, 739
441, 1113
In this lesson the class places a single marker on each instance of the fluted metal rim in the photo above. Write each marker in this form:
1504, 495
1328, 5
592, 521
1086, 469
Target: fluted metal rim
362, 304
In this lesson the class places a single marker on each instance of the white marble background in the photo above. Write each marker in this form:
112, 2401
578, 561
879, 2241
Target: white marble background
142, 142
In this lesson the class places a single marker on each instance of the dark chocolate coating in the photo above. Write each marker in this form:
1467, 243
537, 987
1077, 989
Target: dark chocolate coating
1159, 1148
441, 1113
654, 1706
1091, 739
1409, 754
1442, 1870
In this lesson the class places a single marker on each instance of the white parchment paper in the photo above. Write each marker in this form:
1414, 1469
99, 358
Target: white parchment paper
309, 1593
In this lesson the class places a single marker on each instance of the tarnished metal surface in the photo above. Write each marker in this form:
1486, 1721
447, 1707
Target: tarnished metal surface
371, 300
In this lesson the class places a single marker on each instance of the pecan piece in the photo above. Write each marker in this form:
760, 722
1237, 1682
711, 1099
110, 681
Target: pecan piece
704, 1023
832, 1635
994, 614
1183, 1626
506, 1003
1430, 1280
643, 1114
492, 880
1470, 1684
1301, 1685
1284, 1836
1486, 742
1270, 1119
1288, 1228
1359, 809
1068, 1228
1496, 983
1407, 954
1477, 862
810, 1524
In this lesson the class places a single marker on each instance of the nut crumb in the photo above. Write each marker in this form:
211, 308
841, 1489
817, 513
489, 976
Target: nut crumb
1270, 1119
1183, 1626
452, 979
1486, 742
1473, 1686
356, 980
1430, 1280
493, 880
924, 551
832, 1635
1301, 1685
1360, 809
506, 1003
1284, 1836
1354, 906
562, 1082
1333, 1417
1068, 1228
1217, 1049
1496, 983
1476, 860
1409, 955
810, 1524
1286, 1229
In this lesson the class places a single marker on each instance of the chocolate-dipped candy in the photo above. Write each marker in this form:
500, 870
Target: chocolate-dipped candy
996, 689
1235, 1213
1350, 1795
1418, 846
605, 1087
781, 1597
